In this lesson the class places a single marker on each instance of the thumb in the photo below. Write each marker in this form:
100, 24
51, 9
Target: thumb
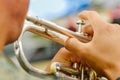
76, 47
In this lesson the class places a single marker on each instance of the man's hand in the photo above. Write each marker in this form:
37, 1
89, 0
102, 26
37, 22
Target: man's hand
102, 53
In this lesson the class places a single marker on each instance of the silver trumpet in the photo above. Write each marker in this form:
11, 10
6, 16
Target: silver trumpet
58, 34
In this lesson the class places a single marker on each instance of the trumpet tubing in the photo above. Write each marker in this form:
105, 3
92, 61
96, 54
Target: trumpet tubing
58, 34
56, 30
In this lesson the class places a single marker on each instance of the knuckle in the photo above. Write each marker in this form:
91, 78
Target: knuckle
93, 14
116, 25
85, 11
108, 27
90, 12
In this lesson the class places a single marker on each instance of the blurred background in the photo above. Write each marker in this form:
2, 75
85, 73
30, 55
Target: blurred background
39, 50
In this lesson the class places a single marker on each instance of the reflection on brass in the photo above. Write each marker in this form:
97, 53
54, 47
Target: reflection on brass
58, 34
80, 73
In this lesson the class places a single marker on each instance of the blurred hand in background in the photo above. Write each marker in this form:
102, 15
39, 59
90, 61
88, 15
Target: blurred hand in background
12, 15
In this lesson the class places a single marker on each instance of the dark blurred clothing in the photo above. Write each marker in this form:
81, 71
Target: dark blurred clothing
116, 21
115, 14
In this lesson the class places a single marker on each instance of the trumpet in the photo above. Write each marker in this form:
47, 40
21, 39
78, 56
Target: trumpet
58, 34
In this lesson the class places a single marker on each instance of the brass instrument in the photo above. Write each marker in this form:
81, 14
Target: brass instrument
58, 34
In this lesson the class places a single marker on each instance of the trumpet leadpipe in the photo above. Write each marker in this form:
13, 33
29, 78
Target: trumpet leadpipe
58, 31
